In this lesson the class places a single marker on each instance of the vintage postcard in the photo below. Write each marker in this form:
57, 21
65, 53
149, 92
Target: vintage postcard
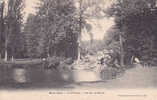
78, 49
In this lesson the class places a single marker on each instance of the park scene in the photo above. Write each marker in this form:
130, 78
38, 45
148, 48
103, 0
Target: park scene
68, 44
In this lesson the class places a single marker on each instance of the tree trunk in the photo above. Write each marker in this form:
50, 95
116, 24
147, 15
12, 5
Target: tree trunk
2, 27
12, 58
79, 52
121, 50
6, 55
0, 57
79, 35
6, 44
132, 59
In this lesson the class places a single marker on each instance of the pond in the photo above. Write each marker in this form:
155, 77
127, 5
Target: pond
36, 76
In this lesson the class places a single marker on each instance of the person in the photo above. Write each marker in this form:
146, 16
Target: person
113, 60
102, 61
43, 59
51, 63
137, 60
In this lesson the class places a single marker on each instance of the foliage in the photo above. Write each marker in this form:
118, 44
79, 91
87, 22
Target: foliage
136, 20
12, 38
53, 30
87, 47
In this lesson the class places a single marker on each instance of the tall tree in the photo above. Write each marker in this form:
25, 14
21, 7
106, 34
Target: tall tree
13, 27
1, 28
32, 36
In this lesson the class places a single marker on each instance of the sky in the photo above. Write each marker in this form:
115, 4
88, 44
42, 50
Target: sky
29, 7
99, 26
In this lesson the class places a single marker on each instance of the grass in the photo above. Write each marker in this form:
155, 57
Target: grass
21, 62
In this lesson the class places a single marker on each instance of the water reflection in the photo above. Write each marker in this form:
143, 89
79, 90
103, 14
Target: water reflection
19, 75
30, 77
36, 76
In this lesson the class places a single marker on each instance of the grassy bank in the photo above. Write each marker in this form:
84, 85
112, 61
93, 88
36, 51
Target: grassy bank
22, 61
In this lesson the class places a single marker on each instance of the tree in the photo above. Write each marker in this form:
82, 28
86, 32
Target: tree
1, 28
135, 20
85, 13
54, 26
32, 36
13, 27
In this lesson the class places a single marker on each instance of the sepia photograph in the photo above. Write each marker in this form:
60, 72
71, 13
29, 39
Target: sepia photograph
78, 47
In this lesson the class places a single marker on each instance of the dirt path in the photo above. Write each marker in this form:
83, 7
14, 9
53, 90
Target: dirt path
137, 77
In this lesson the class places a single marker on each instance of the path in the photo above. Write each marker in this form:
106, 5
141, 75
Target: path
137, 77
